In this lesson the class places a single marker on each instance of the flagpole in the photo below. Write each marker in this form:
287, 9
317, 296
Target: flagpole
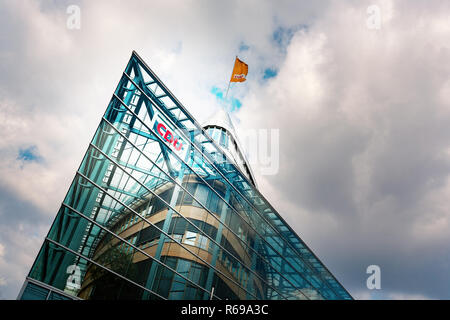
229, 82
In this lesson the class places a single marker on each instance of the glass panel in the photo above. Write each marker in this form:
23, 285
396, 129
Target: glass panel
34, 292
57, 296
190, 238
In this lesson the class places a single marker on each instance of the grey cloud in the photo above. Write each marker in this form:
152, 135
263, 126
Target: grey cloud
364, 161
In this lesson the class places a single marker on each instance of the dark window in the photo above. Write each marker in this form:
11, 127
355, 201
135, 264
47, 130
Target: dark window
34, 292
159, 205
174, 286
222, 290
179, 226
150, 233
56, 296
143, 270
184, 197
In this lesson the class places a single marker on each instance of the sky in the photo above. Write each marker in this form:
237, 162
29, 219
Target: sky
362, 111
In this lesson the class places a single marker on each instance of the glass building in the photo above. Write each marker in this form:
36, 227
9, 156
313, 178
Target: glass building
164, 208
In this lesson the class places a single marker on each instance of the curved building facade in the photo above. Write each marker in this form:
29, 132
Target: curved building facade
164, 208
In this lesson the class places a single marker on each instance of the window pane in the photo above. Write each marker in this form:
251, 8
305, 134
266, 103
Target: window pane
190, 238
34, 292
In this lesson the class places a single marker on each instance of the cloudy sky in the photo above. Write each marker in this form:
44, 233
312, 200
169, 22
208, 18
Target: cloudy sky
363, 115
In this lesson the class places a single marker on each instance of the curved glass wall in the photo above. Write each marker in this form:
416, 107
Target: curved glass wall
225, 139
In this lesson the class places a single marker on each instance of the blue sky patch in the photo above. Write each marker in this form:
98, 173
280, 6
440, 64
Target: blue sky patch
236, 104
243, 47
29, 154
217, 92
283, 36
269, 73
231, 104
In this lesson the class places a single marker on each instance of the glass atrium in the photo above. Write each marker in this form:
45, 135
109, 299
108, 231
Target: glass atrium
159, 209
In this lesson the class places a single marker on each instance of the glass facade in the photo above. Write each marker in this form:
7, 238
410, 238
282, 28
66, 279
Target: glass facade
158, 210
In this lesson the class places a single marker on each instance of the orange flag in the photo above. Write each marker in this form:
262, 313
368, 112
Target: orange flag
240, 71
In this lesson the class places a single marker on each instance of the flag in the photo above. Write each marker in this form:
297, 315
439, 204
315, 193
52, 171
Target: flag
240, 71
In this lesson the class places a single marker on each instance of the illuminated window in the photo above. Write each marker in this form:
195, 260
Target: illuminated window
190, 238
